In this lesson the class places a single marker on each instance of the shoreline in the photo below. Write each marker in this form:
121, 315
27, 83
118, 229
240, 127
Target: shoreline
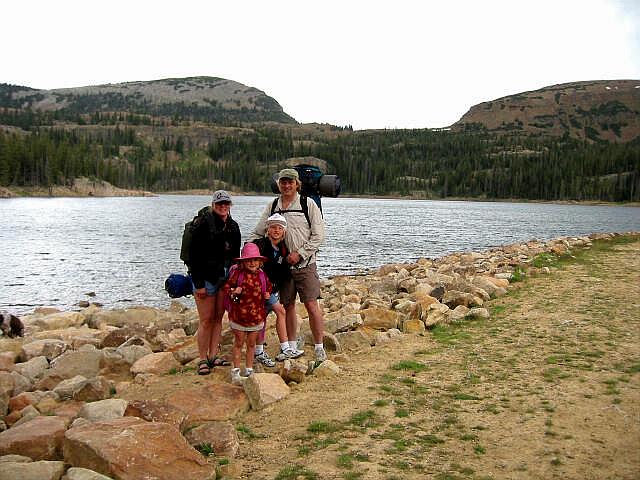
86, 188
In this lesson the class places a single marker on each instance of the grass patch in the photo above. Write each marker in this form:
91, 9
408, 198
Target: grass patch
465, 396
410, 365
296, 472
205, 449
364, 419
323, 427
248, 432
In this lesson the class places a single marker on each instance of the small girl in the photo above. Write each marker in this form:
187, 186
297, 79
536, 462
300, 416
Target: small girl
245, 287
273, 247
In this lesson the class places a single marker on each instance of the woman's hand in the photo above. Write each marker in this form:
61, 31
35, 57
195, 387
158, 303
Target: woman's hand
201, 293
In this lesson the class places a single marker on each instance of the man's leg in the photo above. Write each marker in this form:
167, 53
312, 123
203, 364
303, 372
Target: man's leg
316, 321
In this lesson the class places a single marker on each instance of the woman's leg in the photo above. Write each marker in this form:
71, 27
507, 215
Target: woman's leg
206, 308
216, 323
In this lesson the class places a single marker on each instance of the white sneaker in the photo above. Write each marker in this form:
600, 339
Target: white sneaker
265, 359
289, 354
247, 373
236, 379
321, 355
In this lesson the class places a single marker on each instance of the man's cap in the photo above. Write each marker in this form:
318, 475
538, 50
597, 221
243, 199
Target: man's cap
221, 196
277, 219
288, 173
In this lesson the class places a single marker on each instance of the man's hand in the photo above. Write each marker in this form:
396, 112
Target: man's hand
293, 258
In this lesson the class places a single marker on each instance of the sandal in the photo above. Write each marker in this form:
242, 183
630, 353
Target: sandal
203, 367
218, 362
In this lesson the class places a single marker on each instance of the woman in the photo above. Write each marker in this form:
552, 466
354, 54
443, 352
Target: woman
215, 243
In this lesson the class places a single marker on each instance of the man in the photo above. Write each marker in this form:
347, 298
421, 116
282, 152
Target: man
303, 239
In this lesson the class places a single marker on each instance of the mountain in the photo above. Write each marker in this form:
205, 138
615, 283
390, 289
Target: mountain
596, 110
208, 99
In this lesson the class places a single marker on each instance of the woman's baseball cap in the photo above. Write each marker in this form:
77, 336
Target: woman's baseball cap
250, 251
221, 196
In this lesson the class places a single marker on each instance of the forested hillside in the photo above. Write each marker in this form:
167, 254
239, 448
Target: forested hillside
161, 153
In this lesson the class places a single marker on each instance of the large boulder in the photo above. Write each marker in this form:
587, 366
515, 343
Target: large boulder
49, 348
41, 470
103, 410
222, 436
131, 449
32, 369
379, 318
39, 438
264, 389
217, 401
156, 363
156, 411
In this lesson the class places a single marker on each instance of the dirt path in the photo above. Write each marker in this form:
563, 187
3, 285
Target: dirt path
549, 387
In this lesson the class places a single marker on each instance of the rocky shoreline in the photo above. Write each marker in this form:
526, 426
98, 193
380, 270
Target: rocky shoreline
80, 187
77, 380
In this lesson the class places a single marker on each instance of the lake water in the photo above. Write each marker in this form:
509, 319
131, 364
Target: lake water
53, 251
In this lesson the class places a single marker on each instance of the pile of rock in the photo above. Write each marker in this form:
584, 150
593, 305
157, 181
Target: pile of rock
61, 385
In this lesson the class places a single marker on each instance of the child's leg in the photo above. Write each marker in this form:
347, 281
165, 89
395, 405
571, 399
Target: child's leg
251, 338
281, 325
238, 341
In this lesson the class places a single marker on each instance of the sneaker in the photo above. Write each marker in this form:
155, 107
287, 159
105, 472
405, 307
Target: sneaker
247, 373
321, 355
265, 359
288, 354
236, 379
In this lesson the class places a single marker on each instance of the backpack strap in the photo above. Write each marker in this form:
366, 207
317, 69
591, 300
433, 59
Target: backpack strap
261, 275
304, 208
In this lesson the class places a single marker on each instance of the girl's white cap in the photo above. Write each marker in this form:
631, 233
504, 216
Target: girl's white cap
277, 219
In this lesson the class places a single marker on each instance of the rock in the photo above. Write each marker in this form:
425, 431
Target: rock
156, 411
85, 362
66, 388
20, 383
379, 319
478, 313
412, 326
41, 470
7, 360
59, 321
263, 389
457, 313
32, 369
27, 414
326, 369
103, 410
7, 384
75, 473
453, 298
292, 371
337, 322
39, 439
120, 448
186, 351
436, 313
222, 436
353, 341
48, 348
132, 353
14, 458
331, 343
156, 363
217, 401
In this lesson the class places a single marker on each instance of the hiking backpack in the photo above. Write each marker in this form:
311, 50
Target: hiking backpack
303, 204
228, 301
187, 234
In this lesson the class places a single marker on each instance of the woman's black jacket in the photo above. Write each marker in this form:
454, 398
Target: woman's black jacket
214, 246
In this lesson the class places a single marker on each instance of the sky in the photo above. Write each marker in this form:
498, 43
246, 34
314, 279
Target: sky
368, 64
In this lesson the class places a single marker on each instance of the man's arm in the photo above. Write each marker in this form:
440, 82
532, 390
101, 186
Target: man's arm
312, 244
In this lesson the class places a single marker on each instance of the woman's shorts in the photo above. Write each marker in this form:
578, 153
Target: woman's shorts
242, 328
213, 289
273, 299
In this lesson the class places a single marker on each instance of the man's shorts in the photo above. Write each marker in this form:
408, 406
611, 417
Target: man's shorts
305, 282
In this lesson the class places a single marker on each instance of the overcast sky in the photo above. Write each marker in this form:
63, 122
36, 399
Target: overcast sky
369, 64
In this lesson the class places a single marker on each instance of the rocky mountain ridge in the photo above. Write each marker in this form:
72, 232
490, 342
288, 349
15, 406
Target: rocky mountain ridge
602, 110
206, 98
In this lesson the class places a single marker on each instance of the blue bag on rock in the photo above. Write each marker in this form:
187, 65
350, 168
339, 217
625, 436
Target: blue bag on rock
178, 285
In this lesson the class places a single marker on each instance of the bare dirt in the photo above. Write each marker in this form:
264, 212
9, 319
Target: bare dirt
549, 387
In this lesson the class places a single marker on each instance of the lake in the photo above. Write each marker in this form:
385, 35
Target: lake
57, 250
